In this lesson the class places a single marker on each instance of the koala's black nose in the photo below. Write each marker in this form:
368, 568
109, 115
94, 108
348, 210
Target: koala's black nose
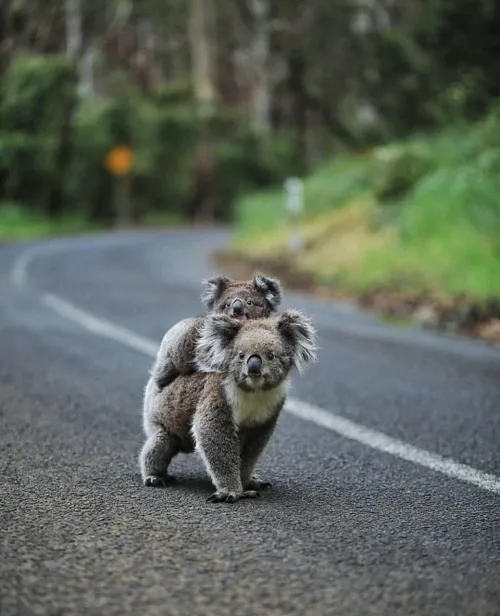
254, 365
237, 307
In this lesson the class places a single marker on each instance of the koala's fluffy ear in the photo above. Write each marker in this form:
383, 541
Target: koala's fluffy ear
270, 288
215, 287
215, 336
299, 331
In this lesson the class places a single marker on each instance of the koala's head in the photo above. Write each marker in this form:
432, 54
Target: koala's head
252, 299
259, 354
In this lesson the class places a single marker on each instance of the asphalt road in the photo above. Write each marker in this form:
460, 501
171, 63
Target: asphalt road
348, 527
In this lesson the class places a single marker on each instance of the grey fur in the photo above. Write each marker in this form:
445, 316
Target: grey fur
226, 415
260, 297
214, 288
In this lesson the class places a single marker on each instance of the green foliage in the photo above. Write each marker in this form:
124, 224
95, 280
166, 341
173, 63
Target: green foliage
447, 223
448, 31
37, 93
488, 131
400, 174
99, 126
45, 148
420, 73
173, 93
244, 165
21, 159
340, 180
393, 72
17, 222
402, 102
38, 97
166, 135
283, 156
238, 170
162, 138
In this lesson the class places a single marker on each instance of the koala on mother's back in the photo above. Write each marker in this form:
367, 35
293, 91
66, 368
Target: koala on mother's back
251, 299
228, 410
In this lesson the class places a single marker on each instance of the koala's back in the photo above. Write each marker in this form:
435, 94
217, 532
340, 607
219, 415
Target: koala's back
174, 407
181, 341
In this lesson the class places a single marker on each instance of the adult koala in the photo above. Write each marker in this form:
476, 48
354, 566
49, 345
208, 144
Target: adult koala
227, 413
252, 299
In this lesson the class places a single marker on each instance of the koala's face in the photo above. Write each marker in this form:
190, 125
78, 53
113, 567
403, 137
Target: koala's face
252, 299
256, 354
260, 358
242, 302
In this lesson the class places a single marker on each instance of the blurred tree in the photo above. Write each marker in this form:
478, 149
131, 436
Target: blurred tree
308, 77
203, 52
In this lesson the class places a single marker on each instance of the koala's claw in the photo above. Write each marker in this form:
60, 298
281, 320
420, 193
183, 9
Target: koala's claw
157, 481
256, 483
223, 496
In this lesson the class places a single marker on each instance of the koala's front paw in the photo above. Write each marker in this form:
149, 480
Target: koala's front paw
256, 483
224, 496
158, 481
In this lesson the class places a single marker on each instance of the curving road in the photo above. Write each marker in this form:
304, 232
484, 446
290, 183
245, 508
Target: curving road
386, 467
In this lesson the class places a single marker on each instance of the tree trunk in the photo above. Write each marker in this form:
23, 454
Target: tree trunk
5, 42
201, 41
57, 192
260, 52
75, 48
297, 85
74, 36
202, 204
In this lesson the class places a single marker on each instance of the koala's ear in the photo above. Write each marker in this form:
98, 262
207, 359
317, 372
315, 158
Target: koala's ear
214, 288
213, 345
299, 331
270, 288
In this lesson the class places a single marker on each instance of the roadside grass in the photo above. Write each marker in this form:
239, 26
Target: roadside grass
17, 223
420, 215
265, 211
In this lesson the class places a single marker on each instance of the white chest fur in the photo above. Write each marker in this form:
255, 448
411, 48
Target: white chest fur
254, 407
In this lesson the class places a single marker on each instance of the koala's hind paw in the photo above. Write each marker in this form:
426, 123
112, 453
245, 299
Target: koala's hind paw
256, 483
158, 481
224, 496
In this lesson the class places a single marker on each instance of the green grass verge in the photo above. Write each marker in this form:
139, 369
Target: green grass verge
17, 223
419, 215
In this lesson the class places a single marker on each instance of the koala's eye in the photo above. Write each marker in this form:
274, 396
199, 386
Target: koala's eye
241, 355
249, 302
270, 356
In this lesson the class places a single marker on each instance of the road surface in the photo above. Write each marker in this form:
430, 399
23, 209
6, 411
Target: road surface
385, 467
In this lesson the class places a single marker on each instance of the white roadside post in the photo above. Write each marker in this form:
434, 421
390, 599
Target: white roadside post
295, 206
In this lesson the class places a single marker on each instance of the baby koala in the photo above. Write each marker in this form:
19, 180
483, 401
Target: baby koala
228, 412
257, 298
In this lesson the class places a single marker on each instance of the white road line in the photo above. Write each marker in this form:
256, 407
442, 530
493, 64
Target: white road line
308, 412
387, 444
99, 326
18, 271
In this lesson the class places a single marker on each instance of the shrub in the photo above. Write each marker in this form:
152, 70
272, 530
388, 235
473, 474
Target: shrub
400, 174
166, 137
38, 97
243, 165
99, 126
52, 159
